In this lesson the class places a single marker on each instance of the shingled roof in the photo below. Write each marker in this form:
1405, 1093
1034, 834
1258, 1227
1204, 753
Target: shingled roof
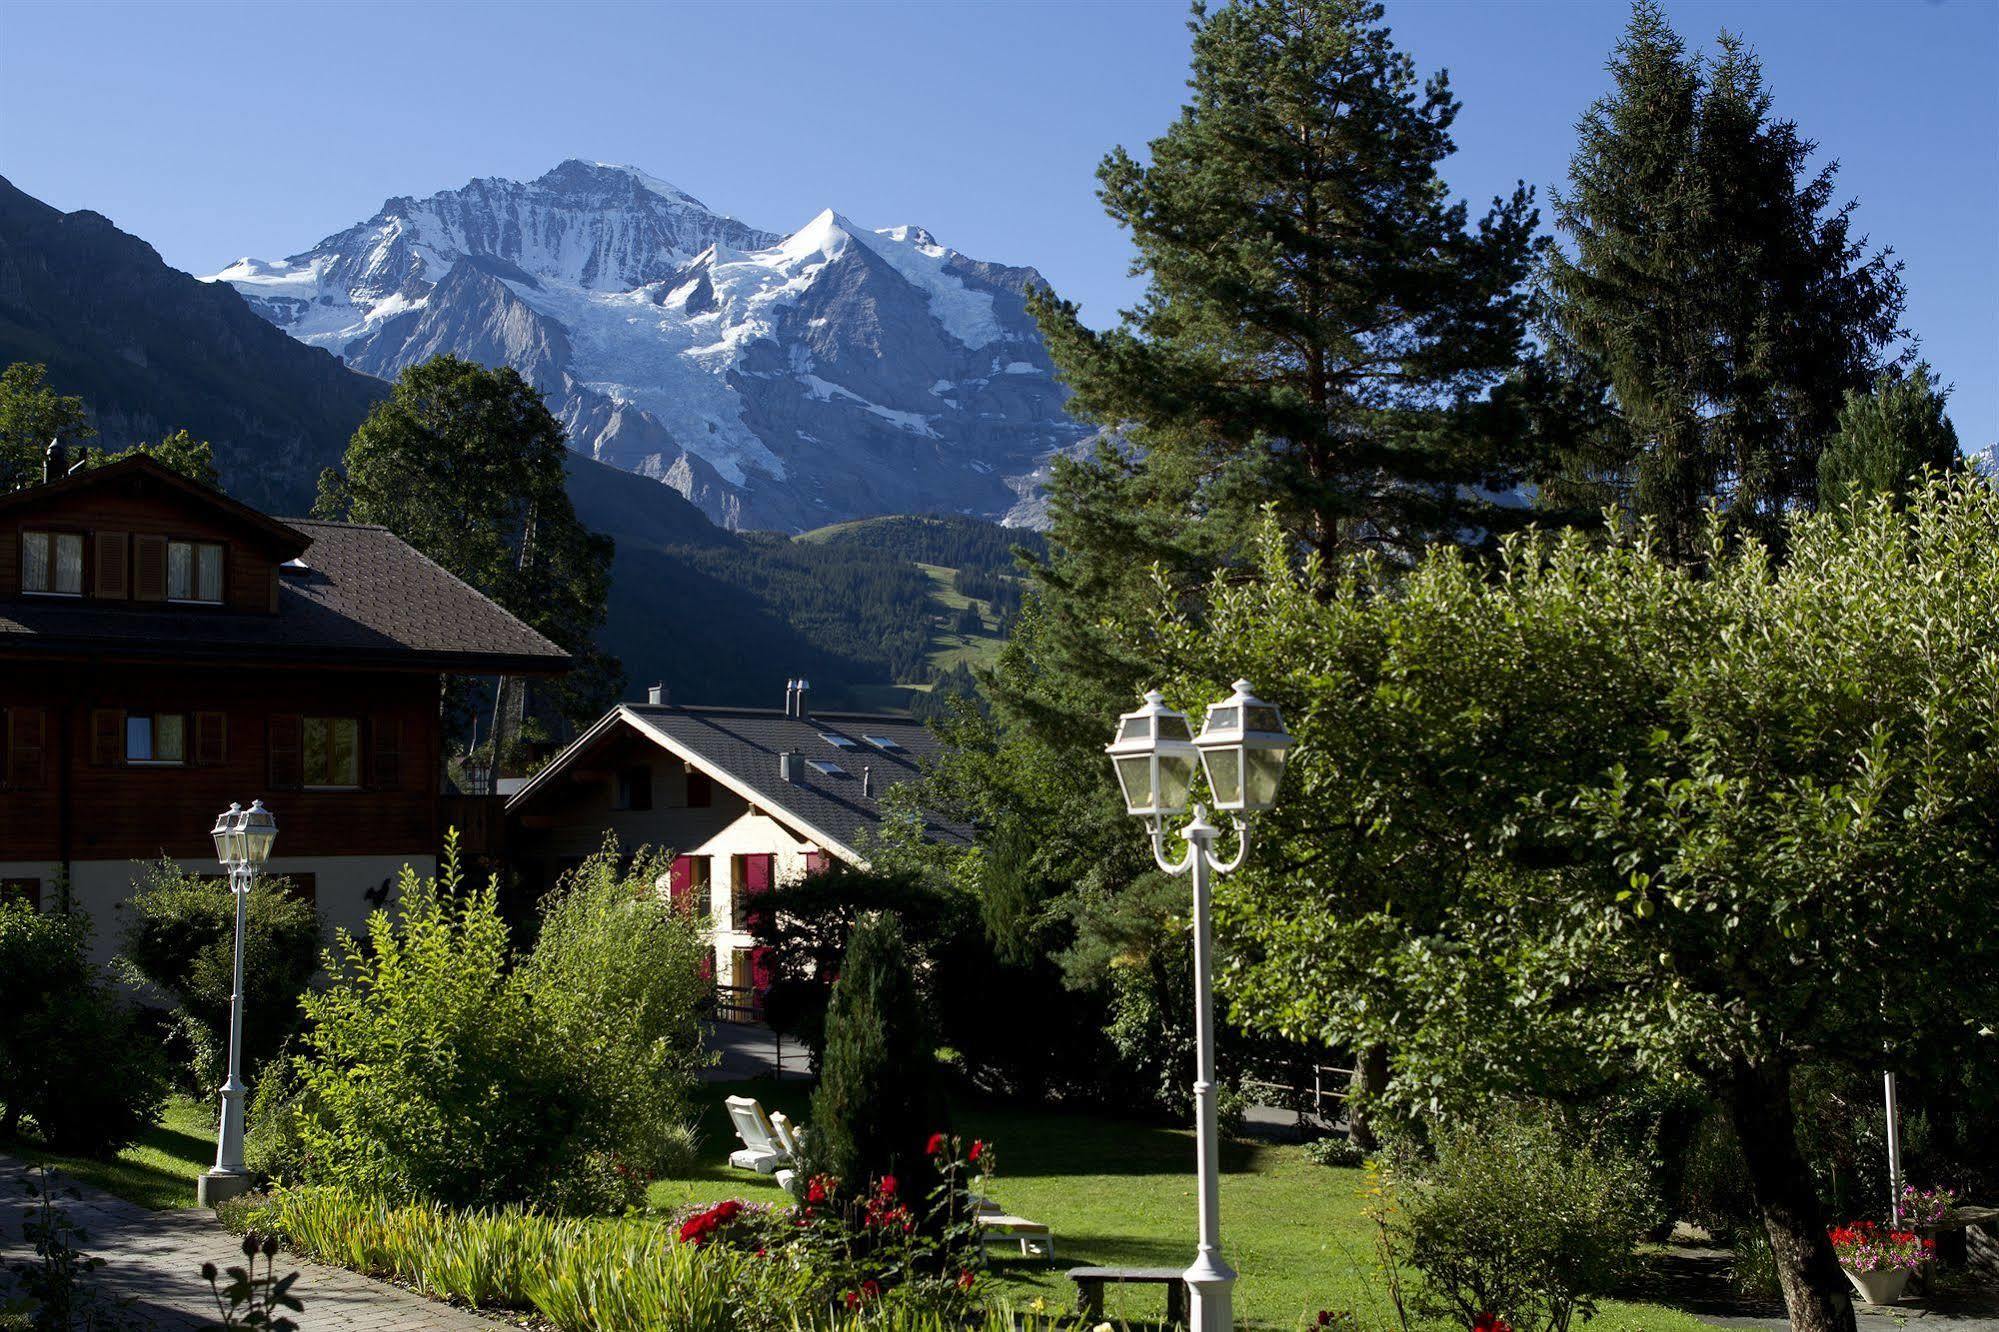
360, 594
740, 748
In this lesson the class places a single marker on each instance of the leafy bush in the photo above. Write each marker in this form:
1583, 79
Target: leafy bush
180, 938
432, 1067
1334, 1150
72, 1057
877, 1101
1518, 1221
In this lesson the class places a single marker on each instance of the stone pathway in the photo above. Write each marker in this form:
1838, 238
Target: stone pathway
153, 1267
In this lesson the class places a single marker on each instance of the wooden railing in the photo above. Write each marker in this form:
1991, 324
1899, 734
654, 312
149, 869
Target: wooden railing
738, 1003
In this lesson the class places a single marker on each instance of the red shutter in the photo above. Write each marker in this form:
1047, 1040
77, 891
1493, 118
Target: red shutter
816, 862
760, 971
110, 560
386, 756
27, 741
149, 568
756, 881
680, 879
107, 737
211, 739
287, 741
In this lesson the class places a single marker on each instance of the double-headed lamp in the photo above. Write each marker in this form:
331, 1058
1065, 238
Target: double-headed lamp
228, 834
1154, 756
260, 829
1243, 745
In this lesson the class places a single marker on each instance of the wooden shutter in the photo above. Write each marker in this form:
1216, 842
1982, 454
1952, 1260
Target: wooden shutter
109, 557
211, 739
287, 744
27, 742
385, 756
149, 568
107, 737
680, 879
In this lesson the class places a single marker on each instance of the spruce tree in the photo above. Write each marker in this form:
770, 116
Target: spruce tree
1886, 438
877, 1101
1709, 284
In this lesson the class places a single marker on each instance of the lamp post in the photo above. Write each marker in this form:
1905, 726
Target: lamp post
1242, 748
243, 840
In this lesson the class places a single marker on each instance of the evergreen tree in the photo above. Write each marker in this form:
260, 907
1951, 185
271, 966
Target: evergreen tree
1885, 438
32, 414
877, 1101
1710, 289
467, 465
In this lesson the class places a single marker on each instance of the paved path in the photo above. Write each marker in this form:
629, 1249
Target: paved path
153, 1260
754, 1052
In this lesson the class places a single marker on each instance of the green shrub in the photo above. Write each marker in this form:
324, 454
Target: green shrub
1334, 1150
1518, 1220
435, 1067
180, 938
73, 1059
877, 1102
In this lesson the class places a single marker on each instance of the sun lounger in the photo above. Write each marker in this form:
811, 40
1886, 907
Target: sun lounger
762, 1150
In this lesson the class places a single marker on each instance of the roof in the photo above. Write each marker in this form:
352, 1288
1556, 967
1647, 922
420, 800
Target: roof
739, 747
278, 536
365, 597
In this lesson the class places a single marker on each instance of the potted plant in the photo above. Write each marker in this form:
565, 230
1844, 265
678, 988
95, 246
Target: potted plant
1879, 1261
1925, 1210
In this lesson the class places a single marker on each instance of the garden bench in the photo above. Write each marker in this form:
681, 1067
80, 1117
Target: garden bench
1090, 1288
1035, 1238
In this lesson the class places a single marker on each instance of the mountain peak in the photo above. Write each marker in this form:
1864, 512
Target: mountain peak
579, 174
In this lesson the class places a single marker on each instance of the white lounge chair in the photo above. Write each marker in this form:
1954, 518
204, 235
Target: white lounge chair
790, 1137
762, 1150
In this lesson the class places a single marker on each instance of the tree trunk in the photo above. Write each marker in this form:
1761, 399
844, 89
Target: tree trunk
1816, 1294
1370, 1079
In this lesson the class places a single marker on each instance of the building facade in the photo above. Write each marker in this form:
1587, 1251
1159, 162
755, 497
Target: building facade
746, 799
165, 651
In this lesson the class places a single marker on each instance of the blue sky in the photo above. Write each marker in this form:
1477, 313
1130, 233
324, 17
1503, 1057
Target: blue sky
219, 130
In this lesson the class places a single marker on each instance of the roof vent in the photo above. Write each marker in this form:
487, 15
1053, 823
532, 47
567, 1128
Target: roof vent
656, 694
787, 765
800, 711
295, 567
867, 781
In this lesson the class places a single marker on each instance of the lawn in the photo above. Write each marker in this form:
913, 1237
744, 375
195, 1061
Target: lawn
1122, 1192
158, 1171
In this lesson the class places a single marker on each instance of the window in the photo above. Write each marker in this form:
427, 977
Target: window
52, 563
155, 737
827, 766
749, 876
332, 751
635, 788
194, 571
837, 741
883, 743
688, 881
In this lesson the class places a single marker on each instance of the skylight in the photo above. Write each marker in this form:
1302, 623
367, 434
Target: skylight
827, 766
883, 742
837, 741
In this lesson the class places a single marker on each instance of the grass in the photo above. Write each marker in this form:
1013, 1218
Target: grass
158, 1171
1122, 1193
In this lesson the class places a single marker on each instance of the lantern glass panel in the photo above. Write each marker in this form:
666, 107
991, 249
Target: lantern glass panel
257, 839
228, 842
1176, 779
1173, 726
1266, 771
1135, 728
1135, 776
1264, 719
1224, 776
1223, 718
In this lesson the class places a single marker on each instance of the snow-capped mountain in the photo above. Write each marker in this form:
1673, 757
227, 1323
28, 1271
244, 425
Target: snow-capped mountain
776, 381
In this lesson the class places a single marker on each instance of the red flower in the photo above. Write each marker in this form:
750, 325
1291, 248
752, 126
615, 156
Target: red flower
935, 1145
1325, 1318
978, 1150
965, 1279
888, 1186
815, 1192
871, 1288
853, 1300
1487, 1322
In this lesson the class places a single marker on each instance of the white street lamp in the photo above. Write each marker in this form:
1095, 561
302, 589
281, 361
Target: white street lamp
1242, 747
243, 840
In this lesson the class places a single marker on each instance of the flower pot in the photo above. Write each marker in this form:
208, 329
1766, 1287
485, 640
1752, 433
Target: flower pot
1884, 1286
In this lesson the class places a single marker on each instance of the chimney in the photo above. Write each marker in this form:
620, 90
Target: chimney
54, 458
656, 694
787, 765
867, 781
799, 710
790, 696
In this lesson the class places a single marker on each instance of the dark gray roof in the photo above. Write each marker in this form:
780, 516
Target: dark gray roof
740, 746
365, 597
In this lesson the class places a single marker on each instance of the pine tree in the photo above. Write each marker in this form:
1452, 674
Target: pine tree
1712, 290
1886, 438
877, 1101
1320, 326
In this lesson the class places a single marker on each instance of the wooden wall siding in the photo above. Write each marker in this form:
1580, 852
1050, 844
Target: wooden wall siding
122, 525
124, 812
